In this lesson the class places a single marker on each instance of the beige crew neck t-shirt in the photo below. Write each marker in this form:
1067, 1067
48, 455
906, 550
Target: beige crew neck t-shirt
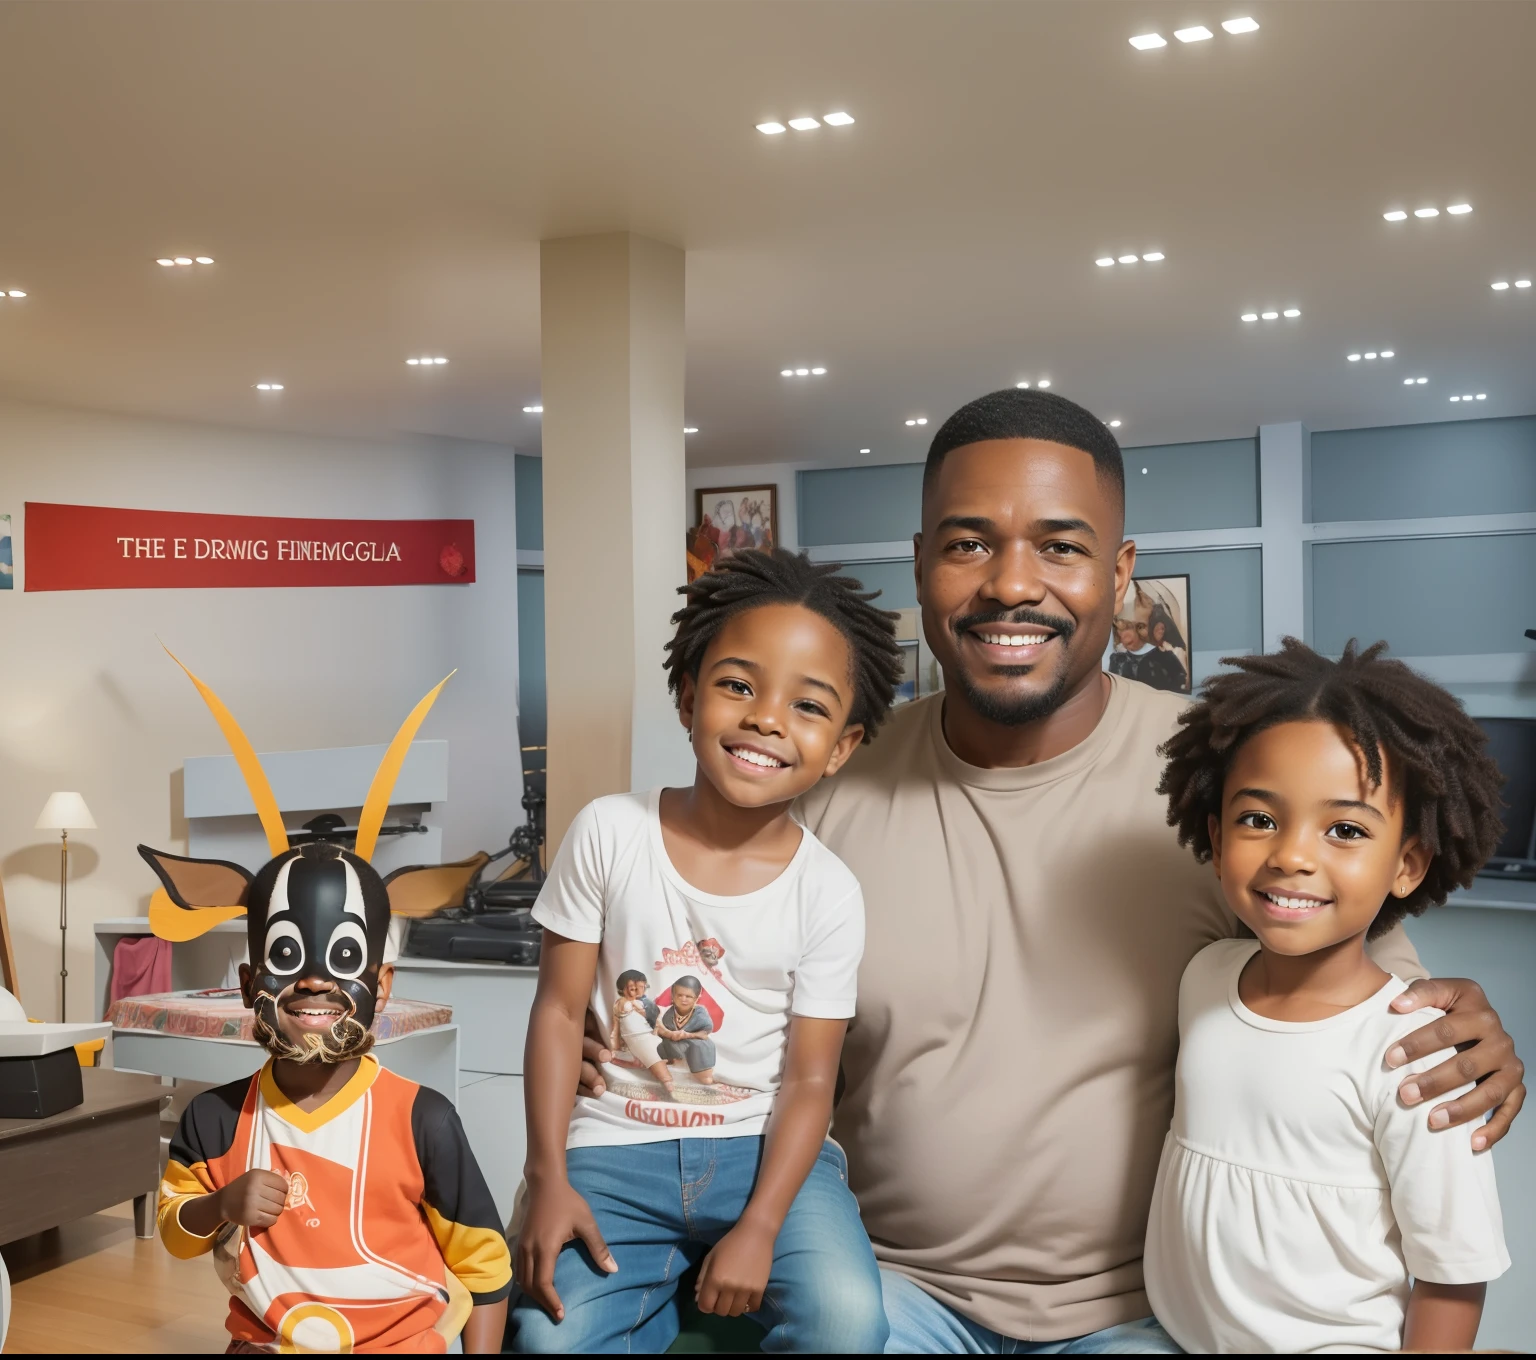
1009, 1072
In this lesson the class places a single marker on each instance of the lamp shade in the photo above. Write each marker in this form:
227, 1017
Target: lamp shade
65, 812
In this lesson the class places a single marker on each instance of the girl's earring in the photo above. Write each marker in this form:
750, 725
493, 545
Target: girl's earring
690, 736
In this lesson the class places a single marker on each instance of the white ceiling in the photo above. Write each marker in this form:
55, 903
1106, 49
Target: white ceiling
373, 180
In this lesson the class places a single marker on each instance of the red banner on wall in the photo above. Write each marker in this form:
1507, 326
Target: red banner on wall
96, 547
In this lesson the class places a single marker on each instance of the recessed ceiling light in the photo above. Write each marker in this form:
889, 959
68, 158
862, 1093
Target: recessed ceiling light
1519, 283
1500, 286
863, 450
1408, 382
167, 263
1468, 397
1421, 381
1199, 33
817, 372
1459, 209
15, 293
269, 387
1353, 358
183, 259
771, 129
1144, 472
1269, 316
533, 410
802, 373
786, 373
839, 119
690, 429
1144, 42
426, 361
1025, 386
1154, 257
1114, 424
1044, 382
1370, 354
1293, 312
918, 420
1128, 259
1244, 25
1426, 212
1482, 396
1104, 261
205, 259
804, 124
1389, 354
1396, 215
1250, 316
1458, 398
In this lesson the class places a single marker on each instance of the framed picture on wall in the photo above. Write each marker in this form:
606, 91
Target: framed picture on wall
907, 630
1151, 639
729, 518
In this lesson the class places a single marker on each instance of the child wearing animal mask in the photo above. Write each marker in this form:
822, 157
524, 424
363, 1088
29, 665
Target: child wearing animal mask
342, 1203
751, 932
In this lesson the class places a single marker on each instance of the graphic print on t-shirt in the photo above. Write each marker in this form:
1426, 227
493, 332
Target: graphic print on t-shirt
664, 1049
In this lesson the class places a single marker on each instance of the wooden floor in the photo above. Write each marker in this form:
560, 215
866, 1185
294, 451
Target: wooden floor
92, 1286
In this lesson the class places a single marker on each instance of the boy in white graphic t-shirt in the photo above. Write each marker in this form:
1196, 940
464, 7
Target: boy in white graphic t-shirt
708, 1138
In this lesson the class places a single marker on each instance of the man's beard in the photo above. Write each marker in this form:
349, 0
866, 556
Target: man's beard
347, 1038
1010, 710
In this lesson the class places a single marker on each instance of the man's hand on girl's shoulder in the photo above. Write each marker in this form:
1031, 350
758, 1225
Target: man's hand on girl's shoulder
1485, 1054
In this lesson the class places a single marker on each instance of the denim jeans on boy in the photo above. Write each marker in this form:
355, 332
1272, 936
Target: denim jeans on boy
660, 1207
921, 1325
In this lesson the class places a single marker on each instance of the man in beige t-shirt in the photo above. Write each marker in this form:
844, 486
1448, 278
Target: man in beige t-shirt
1009, 1075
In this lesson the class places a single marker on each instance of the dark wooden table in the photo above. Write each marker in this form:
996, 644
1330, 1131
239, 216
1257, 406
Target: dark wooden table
102, 1152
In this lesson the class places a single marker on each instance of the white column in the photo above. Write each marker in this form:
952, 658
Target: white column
1284, 454
612, 389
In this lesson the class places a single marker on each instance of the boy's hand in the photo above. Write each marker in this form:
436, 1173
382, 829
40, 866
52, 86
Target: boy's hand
254, 1200
735, 1273
556, 1213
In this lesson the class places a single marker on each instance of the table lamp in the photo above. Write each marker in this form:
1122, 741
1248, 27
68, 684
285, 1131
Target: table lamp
64, 812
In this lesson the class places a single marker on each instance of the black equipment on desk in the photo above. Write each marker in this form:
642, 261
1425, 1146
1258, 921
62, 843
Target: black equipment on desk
1512, 744
494, 925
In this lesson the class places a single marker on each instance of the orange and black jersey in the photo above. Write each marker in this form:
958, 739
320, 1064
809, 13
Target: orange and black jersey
389, 1237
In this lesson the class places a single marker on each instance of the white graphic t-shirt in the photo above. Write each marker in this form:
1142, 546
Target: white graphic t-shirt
695, 990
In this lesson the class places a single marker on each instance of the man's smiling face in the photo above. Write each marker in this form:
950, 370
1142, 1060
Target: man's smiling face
1019, 568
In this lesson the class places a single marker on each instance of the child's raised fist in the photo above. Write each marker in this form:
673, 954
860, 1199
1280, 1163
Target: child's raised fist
254, 1200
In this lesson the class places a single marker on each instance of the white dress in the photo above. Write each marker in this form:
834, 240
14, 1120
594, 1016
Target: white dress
1297, 1194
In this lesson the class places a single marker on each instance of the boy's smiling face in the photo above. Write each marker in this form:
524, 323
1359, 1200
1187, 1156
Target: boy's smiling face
1306, 849
769, 710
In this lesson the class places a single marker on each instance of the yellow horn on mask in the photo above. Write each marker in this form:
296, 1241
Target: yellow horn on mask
245, 757
377, 802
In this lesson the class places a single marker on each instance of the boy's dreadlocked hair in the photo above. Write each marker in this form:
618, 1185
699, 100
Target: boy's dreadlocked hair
752, 577
1449, 784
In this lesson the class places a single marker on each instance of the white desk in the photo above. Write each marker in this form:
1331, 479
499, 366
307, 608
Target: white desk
490, 1004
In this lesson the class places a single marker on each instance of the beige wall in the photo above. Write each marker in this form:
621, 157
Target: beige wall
91, 702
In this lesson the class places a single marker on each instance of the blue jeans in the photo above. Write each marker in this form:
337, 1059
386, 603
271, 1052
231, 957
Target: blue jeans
660, 1207
921, 1325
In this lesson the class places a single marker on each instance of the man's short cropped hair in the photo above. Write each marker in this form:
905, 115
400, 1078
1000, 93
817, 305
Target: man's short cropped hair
1016, 413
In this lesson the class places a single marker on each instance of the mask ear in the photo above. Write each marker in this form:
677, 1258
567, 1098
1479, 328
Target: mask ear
426, 888
197, 894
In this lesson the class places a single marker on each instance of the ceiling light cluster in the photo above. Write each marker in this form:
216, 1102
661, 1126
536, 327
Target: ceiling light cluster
269, 387
1400, 215
1290, 313
1411, 382
1151, 257
1113, 424
427, 360
171, 261
1468, 396
1145, 42
1372, 354
1498, 287
1042, 384
807, 124
865, 450
802, 372
690, 429
533, 410
16, 293
918, 420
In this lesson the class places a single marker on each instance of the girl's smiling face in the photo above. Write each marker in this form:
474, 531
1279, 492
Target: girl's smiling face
1306, 848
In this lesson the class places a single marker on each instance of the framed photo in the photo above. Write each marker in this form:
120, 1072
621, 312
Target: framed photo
1151, 638
729, 518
